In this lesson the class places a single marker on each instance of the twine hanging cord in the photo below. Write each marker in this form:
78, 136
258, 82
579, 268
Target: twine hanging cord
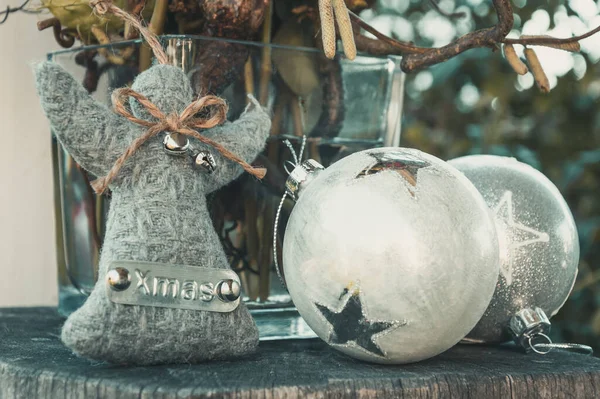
102, 7
183, 123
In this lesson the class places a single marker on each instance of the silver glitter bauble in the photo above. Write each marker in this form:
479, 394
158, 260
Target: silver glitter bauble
390, 255
539, 247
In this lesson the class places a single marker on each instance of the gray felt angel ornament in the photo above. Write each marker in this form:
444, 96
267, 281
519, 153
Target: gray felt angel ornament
158, 215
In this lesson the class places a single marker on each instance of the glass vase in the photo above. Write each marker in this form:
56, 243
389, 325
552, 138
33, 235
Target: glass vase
341, 106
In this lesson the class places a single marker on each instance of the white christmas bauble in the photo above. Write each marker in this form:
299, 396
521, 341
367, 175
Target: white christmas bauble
539, 246
390, 254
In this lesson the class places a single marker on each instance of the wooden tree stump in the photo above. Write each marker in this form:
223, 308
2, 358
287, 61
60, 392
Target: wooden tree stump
35, 364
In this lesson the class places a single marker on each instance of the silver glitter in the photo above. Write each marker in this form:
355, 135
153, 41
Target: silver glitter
539, 246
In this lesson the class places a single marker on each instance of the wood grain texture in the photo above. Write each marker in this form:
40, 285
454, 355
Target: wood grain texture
34, 364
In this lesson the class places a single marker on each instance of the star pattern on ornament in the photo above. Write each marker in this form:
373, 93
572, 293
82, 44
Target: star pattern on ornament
517, 235
351, 325
405, 165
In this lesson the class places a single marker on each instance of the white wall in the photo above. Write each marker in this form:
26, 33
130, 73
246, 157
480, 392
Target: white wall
27, 249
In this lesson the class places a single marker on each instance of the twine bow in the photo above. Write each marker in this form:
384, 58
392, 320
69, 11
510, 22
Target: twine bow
183, 123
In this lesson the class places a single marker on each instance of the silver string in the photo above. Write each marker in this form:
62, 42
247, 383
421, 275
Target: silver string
544, 348
302, 147
584, 349
297, 161
275, 240
292, 151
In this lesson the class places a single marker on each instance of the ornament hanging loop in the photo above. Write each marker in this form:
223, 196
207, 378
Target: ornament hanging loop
541, 348
295, 164
102, 7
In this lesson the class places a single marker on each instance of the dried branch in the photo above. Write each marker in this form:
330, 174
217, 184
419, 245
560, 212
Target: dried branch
573, 47
64, 37
419, 57
453, 15
138, 7
136, 10
415, 58
374, 46
548, 41
481, 38
47, 23
156, 26
11, 10
395, 47
489, 37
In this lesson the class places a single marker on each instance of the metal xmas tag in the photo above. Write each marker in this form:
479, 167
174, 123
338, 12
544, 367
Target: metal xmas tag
172, 286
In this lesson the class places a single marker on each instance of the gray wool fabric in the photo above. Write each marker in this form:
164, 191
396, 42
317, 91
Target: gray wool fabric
158, 213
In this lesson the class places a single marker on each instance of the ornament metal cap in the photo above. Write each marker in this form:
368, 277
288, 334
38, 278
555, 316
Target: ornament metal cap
527, 325
530, 328
301, 175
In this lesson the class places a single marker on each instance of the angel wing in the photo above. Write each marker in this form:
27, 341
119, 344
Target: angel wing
245, 137
90, 132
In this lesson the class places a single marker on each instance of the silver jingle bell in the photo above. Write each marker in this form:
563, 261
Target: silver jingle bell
205, 161
118, 278
228, 290
176, 144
